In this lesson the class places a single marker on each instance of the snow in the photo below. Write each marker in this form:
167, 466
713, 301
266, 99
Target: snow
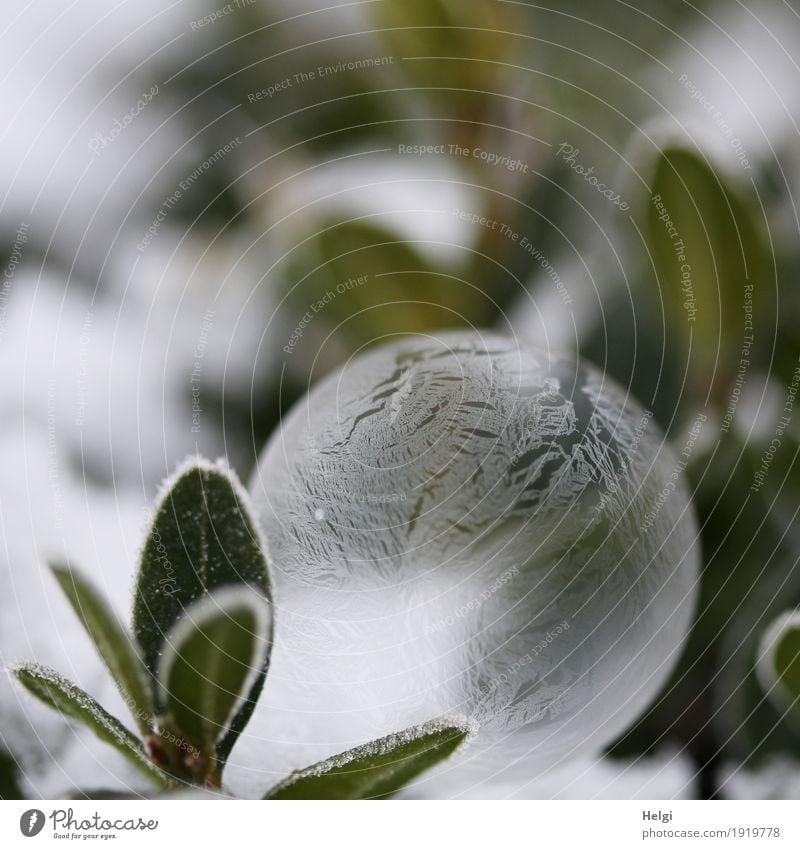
665, 775
778, 778
70, 73
744, 75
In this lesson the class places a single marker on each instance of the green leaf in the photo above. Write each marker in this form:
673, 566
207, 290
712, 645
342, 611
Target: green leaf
707, 247
749, 578
210, 661
778, 665
203, 537
375, 770
452, 59
9, 783
71, 701
345, 268
113, 643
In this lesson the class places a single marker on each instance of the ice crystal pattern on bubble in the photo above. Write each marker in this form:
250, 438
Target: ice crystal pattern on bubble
457, 525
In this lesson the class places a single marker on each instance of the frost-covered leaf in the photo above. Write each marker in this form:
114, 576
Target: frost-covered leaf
203, 537
71, 701
113, 643
375, 770
211, 659
779, 661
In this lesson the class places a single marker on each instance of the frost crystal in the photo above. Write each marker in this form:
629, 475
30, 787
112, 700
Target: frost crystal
461, 525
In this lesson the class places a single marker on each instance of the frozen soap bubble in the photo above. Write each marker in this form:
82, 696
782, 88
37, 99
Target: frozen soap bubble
460, 525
